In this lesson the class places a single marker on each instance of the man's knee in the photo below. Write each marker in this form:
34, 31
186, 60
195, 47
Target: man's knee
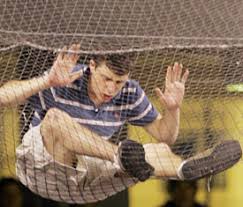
52, 130
51, 121
52, 115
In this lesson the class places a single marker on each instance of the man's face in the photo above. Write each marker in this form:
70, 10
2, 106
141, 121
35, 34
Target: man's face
104, 84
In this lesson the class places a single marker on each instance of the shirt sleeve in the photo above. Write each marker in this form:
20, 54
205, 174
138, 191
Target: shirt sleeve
44, 99
143, 112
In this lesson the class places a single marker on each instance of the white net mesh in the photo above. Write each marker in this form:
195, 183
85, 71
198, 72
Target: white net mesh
206, 36
121, 26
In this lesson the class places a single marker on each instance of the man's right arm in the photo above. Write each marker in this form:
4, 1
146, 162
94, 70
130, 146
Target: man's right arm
17, 91
61, 74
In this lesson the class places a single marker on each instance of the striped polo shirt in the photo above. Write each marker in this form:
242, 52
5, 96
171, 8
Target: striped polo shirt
129, 105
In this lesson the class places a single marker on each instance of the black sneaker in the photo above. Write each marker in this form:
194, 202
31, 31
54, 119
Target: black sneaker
215, 160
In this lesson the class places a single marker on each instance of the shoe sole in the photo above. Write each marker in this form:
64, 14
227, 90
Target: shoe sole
222, 157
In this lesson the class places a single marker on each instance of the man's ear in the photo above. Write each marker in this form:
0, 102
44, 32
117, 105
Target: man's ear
92, 65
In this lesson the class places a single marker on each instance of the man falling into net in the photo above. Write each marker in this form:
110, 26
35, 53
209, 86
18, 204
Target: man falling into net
66, 155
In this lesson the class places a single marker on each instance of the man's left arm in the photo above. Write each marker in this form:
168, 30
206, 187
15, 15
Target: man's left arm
165, 128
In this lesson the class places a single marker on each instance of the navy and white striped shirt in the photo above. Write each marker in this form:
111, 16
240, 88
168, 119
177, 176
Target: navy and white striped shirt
129, 105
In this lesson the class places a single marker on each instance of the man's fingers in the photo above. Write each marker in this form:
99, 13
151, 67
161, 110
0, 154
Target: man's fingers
174, 72
61, 54
74, 52
76, 55
71, 55
185, 76
75, 75
179, 71
168, 77
160, 95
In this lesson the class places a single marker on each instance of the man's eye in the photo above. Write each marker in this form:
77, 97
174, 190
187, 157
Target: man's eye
108, 79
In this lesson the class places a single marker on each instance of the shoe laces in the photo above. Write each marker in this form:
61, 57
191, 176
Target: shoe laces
209, 181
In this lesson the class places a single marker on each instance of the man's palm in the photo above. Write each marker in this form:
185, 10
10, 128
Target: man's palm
61, 71
174, 87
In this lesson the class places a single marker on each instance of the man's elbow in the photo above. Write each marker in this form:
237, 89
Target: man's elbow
171, 136
172, 141
169, 140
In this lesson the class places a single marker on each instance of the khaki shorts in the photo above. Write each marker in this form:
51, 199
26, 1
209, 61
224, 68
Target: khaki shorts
92, 180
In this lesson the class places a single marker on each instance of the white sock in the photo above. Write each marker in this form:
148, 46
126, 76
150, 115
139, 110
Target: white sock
179, 170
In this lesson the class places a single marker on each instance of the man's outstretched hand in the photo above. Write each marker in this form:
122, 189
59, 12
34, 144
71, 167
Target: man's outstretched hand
61, 72
131, 158
173, 94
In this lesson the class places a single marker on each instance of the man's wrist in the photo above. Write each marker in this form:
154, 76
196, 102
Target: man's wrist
40, 83
173, 110
44, 81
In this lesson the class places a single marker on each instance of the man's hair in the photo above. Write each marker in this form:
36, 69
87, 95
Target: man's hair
119, 64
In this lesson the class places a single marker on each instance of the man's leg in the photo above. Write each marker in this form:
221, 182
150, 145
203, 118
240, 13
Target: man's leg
63, 137
210, 162
164, 161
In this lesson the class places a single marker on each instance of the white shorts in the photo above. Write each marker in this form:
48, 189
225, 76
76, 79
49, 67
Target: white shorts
92, 180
